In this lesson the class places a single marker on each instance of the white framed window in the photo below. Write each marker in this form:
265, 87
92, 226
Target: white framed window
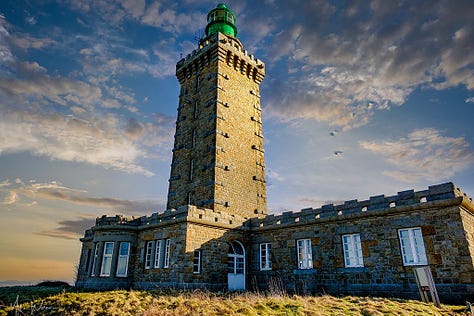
305, 254
107, 259
94, 260
148, 254
197, 262
166, 259
157, 254
265, 256
122, 263
412, 246
352, 251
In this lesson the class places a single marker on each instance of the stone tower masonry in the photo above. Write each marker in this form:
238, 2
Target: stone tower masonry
218, 160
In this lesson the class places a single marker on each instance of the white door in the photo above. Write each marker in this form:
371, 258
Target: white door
236, 263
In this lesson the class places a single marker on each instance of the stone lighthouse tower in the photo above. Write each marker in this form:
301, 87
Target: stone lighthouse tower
218, 160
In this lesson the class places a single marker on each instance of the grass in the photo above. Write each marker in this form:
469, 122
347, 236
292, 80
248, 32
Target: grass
63, 301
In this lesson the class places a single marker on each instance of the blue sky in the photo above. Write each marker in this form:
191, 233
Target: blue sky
360, 98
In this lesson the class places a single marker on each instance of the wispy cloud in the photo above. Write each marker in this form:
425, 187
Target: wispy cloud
69, 229
106, 141
423, 154
105, 50
315, 203
56, 191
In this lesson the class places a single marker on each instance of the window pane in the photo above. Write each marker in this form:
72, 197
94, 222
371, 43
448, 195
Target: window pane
109, 247
352, 251
166, 258
231, 265
197, 261
107, 259
106, 263
239, 269
122, 263
265, 261
412, 246
157, 254
124, 248
122, 266
305, 257
237, 248
149, 250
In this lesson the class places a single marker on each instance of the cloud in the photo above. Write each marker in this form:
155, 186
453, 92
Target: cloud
315, 203
6, 55
11, 198
272, 174
339, 59
35, 119
97, 141
423, 155
164, 15
69, 229
56, 191
25, 41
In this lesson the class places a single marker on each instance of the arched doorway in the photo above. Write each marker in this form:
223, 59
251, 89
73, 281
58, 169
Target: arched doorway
236, 264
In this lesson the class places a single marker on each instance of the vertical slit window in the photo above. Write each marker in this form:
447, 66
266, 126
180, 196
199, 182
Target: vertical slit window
196, 109
193, 138
265, 256
191, 169
197, 262
190, 198
198, 83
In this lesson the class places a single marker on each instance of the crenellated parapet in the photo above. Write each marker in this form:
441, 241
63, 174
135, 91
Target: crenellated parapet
372, 206
184, 213
210, 217
105, 220
226, 49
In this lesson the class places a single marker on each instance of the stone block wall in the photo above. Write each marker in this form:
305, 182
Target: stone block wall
447, 234
188, 229
89, 273
443, 213
218, 153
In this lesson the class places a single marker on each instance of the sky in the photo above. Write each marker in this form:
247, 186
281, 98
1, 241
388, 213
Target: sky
360, 98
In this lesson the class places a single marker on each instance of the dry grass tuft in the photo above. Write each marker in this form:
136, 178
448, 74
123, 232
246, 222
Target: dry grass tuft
123, 302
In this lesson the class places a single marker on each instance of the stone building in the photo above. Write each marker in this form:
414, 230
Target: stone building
216, 234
